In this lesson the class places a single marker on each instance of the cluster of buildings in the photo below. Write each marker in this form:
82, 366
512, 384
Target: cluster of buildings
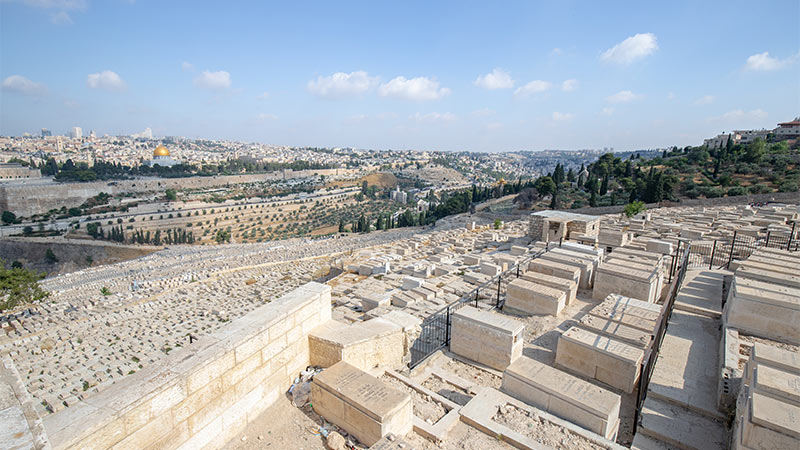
786, 131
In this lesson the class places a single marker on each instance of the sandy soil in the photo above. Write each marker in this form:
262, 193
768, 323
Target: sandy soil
281, 426
541, 430
472, 373
461, 437
425, 407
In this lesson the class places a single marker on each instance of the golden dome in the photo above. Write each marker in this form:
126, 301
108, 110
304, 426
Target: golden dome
161, 151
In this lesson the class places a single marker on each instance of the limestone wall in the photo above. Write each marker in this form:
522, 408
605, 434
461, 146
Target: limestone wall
205, 393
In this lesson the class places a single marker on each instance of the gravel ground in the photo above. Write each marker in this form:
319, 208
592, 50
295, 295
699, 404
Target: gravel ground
541, 430
425, 407
472, 373
451, 392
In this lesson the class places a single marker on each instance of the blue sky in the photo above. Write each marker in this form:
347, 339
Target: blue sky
481, 76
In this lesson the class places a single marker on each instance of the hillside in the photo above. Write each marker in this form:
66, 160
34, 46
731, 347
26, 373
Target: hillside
692, 172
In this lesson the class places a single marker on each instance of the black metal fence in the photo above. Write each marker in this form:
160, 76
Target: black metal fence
722, 252
680, 265
435, 333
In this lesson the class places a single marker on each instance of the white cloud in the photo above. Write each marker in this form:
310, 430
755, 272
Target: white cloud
623, 97
186, 66
61, 18
741, 114
635, 47
534, 87
106, 80
266, 116
494, 126
671, 96
262, 96
22, 85
419, 89
341, 85
607, 111
556, 51
704, 100
498, 79
213, 80
569, 85
560, 117
764, 62
434, 117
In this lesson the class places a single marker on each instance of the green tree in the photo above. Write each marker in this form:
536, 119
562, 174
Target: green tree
634, 208
545, 186
105, 291
497, 224
8, 217
19, 286
171, 195
50, 256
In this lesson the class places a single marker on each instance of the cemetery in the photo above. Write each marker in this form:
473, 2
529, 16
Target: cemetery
554, 331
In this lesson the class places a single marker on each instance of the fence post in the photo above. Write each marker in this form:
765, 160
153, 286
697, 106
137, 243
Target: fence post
447, 328
477, 292
499, 280
733, 245
518, 269
791, 235
767, 243
713, 251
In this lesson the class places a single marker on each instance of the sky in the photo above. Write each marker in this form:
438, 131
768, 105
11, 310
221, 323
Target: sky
432, 75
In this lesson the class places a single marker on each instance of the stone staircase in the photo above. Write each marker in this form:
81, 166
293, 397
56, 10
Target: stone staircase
680, 410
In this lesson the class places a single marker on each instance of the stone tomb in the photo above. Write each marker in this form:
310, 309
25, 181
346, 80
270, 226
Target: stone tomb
527, 297
366, 345
619, 279
612, 362
753, 309
556, 270
585, 265
568, 286
630, 312
361, 404
563, 395
487, 338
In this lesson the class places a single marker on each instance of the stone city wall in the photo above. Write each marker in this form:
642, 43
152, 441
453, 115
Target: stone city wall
28, 198
204, 394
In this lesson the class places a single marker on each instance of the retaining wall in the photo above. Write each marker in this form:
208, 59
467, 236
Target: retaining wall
204, 394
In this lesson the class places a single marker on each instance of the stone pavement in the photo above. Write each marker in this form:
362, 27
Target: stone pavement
681, 405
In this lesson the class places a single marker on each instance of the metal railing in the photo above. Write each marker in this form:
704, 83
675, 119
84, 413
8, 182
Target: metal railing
435, 333
680, 265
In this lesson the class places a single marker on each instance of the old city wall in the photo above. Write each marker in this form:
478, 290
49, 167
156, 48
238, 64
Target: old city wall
205, 393
26, 199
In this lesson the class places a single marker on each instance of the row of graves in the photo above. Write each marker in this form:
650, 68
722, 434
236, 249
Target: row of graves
488, 378
760, 362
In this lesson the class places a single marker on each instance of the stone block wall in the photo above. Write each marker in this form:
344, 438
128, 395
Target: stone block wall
207, 392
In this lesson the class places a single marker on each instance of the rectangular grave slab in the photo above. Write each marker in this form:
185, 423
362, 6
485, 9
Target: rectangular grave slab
607, 360
616, 330
568, 286
488, 338
363, 405
555, 269
529, 297
563, 395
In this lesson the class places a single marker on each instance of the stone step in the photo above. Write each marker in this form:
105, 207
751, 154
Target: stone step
679, 427
644, 442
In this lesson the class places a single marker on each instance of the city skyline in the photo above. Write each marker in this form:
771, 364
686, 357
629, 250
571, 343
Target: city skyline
442, 77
